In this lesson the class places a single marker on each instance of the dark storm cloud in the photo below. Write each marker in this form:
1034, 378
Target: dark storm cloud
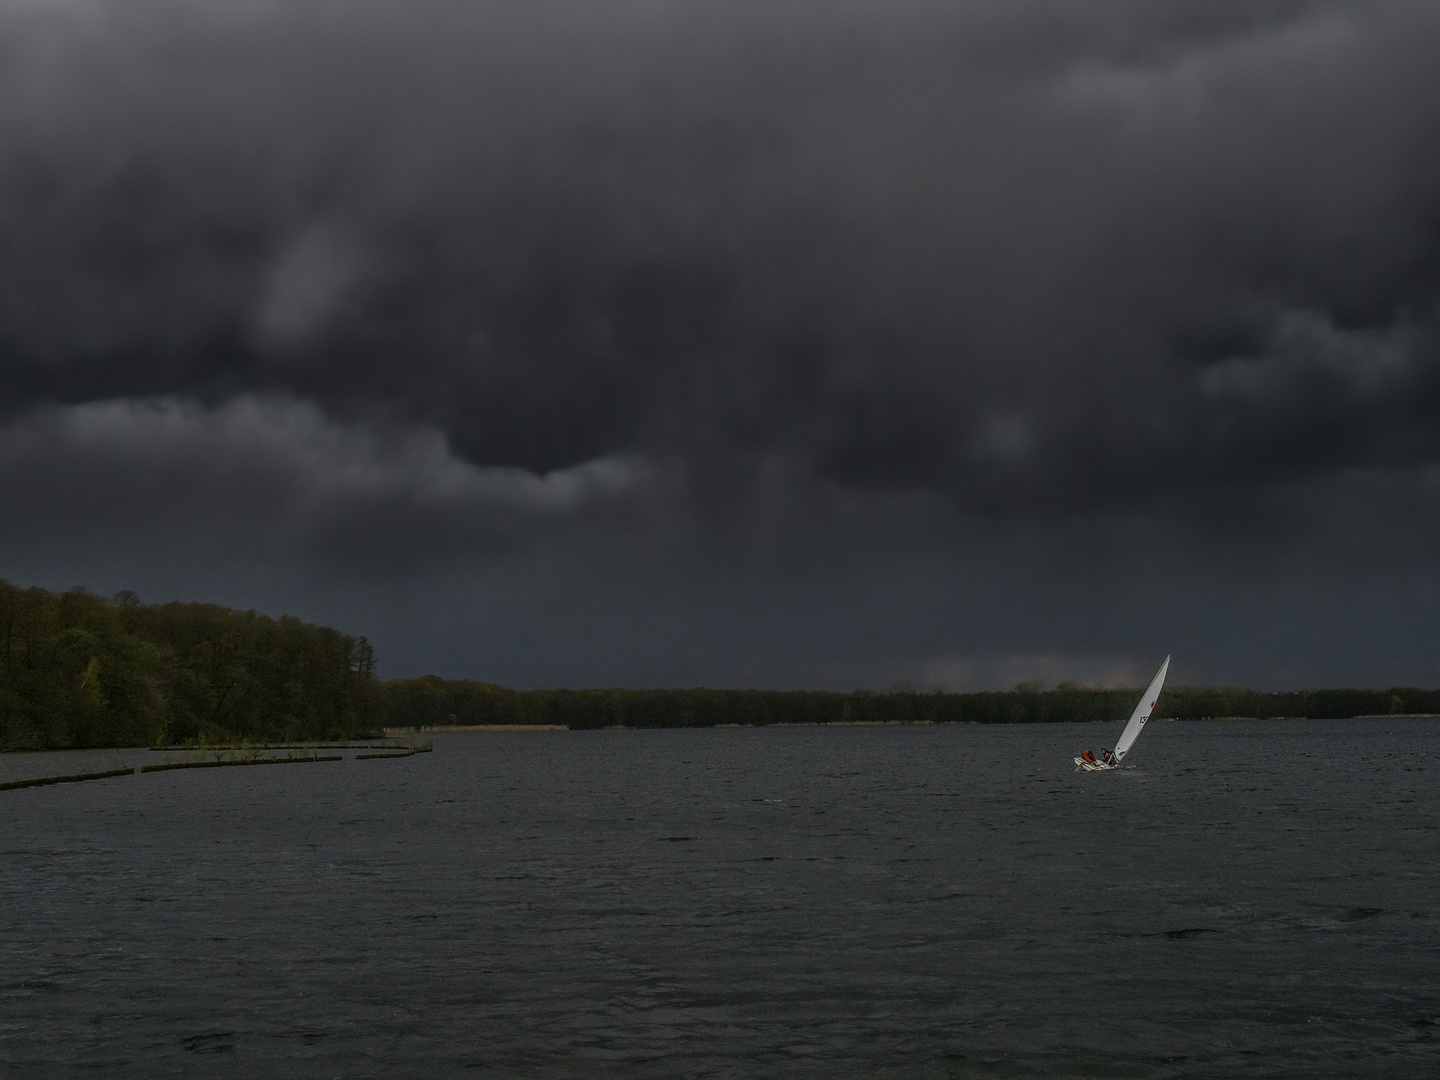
1006, 292
995, 249
268, 479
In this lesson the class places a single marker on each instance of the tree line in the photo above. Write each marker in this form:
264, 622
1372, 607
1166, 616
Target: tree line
79, 670
431, 701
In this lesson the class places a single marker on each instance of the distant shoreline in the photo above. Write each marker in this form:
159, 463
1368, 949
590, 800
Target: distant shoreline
431, 704
445, 729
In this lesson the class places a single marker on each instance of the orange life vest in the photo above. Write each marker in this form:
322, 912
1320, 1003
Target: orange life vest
1087, 755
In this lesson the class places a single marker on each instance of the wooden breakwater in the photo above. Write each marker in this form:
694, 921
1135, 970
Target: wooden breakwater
73, 778
445, 729
400, 753
169, 765
203, 748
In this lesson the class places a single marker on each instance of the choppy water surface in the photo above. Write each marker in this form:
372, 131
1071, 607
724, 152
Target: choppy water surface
1251, 899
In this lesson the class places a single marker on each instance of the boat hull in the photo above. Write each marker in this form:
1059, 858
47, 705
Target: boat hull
1095, 766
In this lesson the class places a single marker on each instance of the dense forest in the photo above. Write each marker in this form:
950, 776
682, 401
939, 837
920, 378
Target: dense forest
431, 702
80, 670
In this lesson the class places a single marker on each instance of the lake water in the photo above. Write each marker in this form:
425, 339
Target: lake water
1251, 899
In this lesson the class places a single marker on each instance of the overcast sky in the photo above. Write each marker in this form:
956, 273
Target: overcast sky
788, 343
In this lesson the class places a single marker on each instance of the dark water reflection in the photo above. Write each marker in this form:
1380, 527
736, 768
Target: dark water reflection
1250, 899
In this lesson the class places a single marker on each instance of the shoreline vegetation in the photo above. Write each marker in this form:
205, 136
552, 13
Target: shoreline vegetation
432, 705
83, 671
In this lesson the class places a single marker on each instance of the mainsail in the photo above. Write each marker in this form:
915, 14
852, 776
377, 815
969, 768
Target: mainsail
1141, 713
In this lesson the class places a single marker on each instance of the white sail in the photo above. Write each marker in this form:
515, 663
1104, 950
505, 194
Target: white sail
1141, 713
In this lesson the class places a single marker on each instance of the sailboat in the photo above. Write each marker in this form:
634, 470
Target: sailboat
1090, 763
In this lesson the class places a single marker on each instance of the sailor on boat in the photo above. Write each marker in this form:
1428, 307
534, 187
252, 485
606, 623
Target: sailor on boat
1136, 724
